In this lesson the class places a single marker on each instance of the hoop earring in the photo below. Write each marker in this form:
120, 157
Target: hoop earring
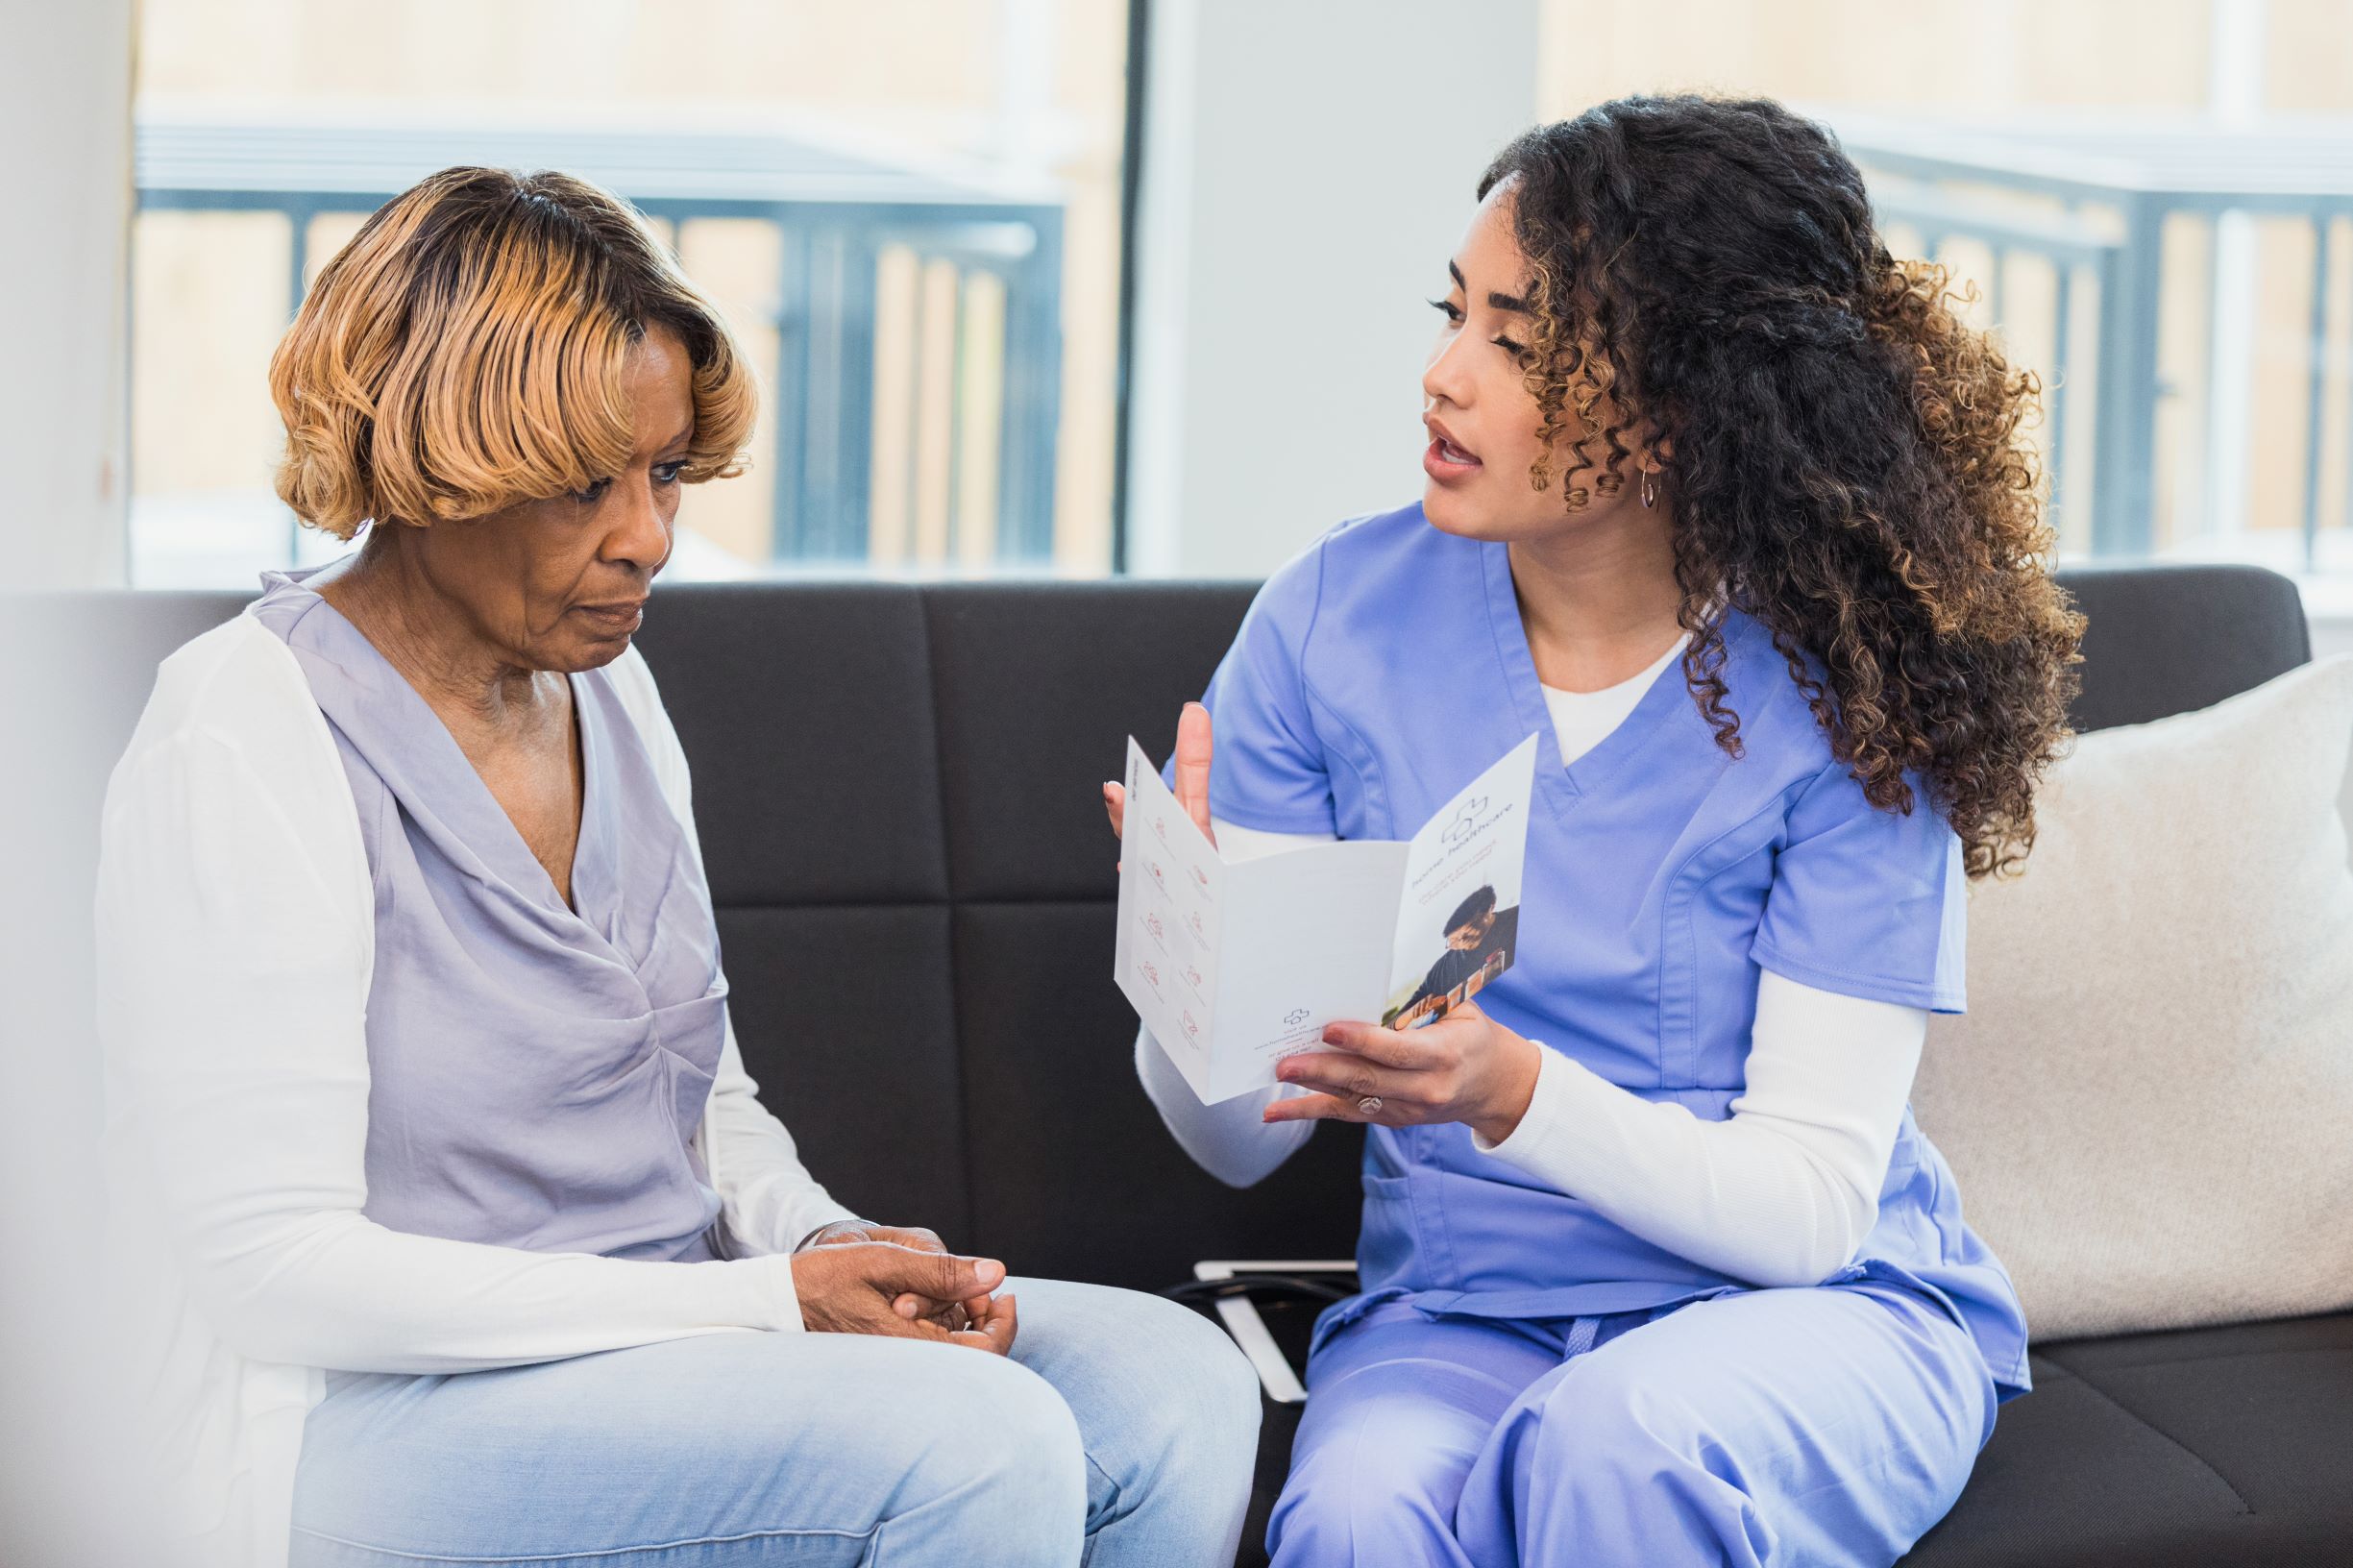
1649, 492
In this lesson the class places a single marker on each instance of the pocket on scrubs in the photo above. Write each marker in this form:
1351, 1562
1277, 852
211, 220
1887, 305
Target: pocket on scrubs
1388, 1236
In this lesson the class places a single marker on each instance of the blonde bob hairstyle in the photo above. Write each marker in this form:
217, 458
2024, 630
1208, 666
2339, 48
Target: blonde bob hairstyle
469, 351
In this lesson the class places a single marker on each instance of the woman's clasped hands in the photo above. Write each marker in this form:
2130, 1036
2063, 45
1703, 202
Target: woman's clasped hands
858, 1277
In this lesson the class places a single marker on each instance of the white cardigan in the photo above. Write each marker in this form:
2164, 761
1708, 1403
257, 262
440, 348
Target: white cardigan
236, 939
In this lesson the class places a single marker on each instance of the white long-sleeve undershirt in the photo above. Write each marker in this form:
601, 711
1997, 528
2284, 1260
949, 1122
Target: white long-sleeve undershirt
1781, 1193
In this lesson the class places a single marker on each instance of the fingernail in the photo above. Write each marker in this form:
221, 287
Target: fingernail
989, 1271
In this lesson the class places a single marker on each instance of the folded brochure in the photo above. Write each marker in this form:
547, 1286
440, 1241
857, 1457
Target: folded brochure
1233, 966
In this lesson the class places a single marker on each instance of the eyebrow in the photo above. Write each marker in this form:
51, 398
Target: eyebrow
1499, 300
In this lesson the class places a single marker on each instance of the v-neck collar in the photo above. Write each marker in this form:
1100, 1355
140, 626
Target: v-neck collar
1564, 783
411, 746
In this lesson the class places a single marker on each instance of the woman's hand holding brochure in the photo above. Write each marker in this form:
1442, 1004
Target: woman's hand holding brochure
1238, 967
1192, 775
1466, 1067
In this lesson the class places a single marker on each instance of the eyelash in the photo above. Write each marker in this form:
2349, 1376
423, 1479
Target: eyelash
663, 474
1453, 313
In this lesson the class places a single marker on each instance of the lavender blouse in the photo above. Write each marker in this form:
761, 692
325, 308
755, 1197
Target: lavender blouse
537, 1069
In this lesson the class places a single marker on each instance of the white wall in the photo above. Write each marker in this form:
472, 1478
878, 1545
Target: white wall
1307, 170
65, 167
66, 154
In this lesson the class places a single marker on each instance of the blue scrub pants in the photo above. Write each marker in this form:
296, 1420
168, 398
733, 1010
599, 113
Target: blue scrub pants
1824, 1426
1122, 1434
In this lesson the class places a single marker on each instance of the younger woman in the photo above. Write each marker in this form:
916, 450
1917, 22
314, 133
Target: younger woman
1727, 507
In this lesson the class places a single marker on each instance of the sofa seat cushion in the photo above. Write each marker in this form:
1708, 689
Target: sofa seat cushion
2200, 1446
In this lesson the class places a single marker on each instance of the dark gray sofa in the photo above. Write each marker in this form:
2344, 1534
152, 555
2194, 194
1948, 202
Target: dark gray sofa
898, 793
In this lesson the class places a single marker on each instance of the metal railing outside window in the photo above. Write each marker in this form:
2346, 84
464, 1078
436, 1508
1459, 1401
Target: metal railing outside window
916, 312
2138, 215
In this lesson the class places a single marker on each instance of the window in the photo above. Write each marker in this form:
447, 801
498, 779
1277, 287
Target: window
908, 208
2153, 202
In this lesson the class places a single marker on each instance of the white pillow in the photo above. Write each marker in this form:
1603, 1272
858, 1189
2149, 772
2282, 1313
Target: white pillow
2149, 1103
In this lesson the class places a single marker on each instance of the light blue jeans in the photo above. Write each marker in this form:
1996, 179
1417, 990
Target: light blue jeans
1120, 1433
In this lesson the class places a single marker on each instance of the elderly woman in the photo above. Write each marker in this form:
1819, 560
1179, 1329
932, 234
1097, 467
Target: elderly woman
451, 1227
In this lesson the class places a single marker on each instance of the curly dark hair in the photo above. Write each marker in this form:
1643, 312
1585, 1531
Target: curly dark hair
1845, 452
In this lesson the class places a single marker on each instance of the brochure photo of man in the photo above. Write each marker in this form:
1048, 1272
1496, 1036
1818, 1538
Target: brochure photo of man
1479, 941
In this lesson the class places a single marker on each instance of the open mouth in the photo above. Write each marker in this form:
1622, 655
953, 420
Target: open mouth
1446, 458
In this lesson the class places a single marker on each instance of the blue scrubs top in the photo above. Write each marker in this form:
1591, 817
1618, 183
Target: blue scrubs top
1378, 673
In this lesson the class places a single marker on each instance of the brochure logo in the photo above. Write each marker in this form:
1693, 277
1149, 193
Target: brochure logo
1194, 975
1192, 1028
1159, 825
1201, 876
1151, 924
1465, 822
1159, 878
1194, 922
1296, 1017
1151, 973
